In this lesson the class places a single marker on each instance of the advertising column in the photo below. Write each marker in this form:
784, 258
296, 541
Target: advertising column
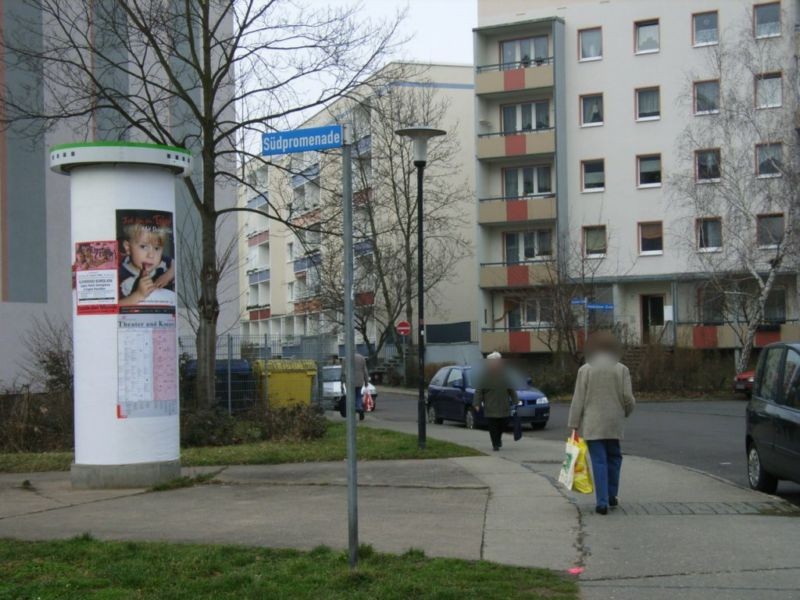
124, 261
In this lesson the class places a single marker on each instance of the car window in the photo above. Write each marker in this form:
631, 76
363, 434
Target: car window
769, 375
454, 378
791, 379
438, 379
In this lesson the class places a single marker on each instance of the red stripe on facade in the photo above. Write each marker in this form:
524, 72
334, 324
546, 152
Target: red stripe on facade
519, 341
515, 145
767, 337
516, 210
704, 336
517, 275
514, 80
258, 239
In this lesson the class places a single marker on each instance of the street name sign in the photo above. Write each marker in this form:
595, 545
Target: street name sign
311, 139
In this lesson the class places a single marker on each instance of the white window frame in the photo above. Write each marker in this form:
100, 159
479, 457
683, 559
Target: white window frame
699, 234
518, 115
761, 77
580, 44
699, 113
639, 118
521, 181
532, 61
758, 230
586, 253
644, 186
645, 23
602, 122
697, 165
755, 21
697, 44
525, 307
598, 190
651, 252
761, 175
520, 235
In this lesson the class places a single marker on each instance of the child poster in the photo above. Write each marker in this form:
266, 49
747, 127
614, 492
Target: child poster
95, 277
146, 240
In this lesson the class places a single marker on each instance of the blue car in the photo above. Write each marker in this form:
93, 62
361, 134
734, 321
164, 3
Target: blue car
451, 393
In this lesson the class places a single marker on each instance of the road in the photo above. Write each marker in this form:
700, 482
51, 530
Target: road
708, 436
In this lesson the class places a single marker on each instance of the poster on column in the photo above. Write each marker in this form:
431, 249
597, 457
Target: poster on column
146, 240
95, 277
147, 366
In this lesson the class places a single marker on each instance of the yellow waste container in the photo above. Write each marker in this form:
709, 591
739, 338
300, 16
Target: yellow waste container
260, 375
290, 382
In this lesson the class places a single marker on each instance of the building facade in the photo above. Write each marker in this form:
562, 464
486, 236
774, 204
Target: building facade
584, 116
293, 265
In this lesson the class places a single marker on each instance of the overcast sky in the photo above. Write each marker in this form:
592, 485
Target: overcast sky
441, 29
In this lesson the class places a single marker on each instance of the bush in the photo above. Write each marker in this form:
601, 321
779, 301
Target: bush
36, 422
296, 423
208, 427
683, 369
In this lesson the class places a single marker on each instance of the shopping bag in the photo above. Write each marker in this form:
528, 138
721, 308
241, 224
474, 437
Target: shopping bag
368, 402
582, 477
571, 453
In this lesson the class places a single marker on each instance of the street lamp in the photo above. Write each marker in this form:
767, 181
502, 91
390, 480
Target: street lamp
420, 135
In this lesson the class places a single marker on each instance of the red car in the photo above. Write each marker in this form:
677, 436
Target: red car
743, 382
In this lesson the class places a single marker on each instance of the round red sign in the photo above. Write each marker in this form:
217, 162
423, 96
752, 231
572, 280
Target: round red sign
403, 328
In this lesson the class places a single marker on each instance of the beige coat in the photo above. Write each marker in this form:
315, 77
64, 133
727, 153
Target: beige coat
603, 399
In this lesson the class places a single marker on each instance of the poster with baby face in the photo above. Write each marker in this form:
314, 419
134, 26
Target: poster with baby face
146, 241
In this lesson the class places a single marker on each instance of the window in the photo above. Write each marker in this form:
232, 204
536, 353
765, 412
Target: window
791, 379
769, 160
594, 241
769, 90
290, 251
537, 311
712, 307
526, 117
651, 238
522, 53
768, 377
527, 181
591, 44
290, 291
455, 379
769, 230
767, 19
649, 167
438, 379
594, 175
709, 234
592, 110
527, 246
706, 97
775, 306
705, 27
648, 104
707, 165
647, 37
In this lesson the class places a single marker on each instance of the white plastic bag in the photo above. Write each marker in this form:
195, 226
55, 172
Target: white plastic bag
567, 474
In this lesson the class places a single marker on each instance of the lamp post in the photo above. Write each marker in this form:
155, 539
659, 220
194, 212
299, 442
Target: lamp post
420, 135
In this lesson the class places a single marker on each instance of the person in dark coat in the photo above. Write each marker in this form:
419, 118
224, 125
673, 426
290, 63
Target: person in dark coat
495, 391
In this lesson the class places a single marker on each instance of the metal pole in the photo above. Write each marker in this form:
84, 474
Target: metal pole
230, 354
350, 347
421, 433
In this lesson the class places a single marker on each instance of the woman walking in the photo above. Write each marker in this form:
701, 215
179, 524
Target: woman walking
495, 392
603, 399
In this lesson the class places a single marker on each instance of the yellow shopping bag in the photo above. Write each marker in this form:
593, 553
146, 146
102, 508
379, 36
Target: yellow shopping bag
582, 479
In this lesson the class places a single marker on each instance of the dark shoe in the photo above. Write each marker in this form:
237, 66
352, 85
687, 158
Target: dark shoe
361, 415
613, 501
601, 510
495, 448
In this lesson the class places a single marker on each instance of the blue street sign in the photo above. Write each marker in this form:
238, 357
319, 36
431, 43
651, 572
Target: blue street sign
578, 301
593, 306
302, 140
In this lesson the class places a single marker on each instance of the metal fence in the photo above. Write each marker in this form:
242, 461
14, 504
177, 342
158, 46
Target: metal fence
241, 377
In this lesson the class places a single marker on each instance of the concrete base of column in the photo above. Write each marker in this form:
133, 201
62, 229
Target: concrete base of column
139, 475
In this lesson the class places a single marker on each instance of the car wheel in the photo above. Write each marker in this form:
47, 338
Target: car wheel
433, 418
469, 419
538, 426
757, 477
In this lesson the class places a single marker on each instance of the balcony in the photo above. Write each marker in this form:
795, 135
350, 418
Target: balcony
258, 202
260, 313
258, 238
257, 276
517, 143
502, 210
307, 305
520, 340
514, 77
302, 264
364, 247
707, 337
504, 276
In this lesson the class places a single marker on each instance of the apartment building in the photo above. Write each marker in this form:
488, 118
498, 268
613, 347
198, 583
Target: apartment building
582, 113
288, 269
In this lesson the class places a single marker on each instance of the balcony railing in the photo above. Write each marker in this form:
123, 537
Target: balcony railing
303, 263
258, 276
518, 197
515, 132
256, 202
362, 248
519, 64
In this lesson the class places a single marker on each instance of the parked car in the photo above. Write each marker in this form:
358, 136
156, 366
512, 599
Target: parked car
333, 390
773, 418
451, 393
743, 382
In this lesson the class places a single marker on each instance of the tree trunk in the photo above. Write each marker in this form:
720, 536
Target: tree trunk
208, 313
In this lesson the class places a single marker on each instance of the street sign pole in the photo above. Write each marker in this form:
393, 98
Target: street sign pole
350, 350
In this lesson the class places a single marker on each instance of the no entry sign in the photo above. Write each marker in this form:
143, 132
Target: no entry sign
403, 328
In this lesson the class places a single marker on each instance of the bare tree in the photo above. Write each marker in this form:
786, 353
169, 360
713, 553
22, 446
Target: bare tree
385, 213
176, 73
738, 180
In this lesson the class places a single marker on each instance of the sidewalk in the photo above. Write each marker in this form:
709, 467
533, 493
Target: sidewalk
677, 533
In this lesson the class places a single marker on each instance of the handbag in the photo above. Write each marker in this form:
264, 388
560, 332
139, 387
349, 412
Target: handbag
517, 425
567, 474
368, 402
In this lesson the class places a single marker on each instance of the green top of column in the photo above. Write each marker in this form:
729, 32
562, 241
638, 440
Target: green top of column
65, 157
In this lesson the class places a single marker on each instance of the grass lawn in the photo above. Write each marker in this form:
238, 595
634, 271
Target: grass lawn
373, 444
84, 568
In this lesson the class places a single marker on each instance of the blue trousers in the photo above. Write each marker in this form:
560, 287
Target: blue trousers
606, 465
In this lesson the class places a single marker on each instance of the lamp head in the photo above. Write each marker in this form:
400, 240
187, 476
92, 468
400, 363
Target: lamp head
419, 135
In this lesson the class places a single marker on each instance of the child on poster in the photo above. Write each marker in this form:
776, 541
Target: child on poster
147, 272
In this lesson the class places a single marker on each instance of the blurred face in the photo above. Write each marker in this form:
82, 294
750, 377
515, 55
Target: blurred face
145, 251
